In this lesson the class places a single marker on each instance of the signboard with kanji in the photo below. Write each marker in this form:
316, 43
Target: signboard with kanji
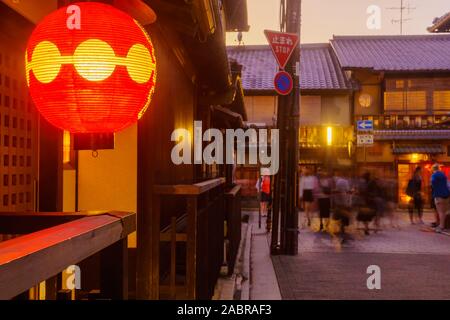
364, 139
283, 45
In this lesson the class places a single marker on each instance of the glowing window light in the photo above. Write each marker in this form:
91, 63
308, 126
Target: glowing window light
329, 136
415, 157
96, 79
66, 147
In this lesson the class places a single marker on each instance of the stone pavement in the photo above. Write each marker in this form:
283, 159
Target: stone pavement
414, 262
263, 281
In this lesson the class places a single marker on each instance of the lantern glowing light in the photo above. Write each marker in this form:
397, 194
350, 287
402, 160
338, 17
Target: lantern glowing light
98, 78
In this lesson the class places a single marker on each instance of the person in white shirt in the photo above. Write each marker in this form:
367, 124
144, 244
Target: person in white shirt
308, 184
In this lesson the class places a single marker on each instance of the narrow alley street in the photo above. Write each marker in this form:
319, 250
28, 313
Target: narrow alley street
414, 264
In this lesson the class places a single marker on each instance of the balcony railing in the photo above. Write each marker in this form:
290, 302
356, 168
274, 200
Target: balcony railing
189, 253
50, 242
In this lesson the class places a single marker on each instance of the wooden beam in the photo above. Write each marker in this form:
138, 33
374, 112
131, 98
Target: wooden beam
190, 189
137, 9
179, 17
27, 260
28, 222
114, 271
234, 191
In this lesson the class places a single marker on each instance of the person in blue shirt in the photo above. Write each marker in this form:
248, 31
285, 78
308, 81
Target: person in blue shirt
441, 194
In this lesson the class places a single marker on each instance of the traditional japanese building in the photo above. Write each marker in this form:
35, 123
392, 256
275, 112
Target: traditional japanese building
326, 131
441, 24
404, 88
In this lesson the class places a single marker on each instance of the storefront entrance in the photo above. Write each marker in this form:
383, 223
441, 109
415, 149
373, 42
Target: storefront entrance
405, 172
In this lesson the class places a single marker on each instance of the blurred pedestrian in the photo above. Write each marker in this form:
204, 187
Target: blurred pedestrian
366, 203
376, 194
441, 195
341, 202
390, 187
325, 186
308, 183
414, 191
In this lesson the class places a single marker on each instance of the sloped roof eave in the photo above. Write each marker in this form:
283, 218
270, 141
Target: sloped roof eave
393, 53
319, 70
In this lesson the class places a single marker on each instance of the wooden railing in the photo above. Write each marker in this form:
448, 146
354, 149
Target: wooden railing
233, 225
189, 252
50, 242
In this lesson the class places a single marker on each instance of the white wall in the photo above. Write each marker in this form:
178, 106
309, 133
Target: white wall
109, 182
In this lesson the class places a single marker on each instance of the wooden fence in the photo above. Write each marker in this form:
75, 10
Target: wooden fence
50, 242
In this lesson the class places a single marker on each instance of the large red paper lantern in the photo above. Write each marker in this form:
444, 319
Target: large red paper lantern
91, 68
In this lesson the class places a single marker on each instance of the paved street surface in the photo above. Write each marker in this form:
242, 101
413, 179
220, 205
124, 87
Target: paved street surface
414, 262
263, 280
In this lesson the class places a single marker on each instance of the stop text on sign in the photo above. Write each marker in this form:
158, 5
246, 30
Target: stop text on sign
282, 44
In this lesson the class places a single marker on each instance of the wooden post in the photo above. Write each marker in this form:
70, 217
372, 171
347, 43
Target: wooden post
154, 245
191, 247
173, 258
51, 288
114, 271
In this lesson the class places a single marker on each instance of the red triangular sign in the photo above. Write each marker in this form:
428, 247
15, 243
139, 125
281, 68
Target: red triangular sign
282, 44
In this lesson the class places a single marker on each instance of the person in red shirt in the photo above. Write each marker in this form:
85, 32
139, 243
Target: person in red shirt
263, 187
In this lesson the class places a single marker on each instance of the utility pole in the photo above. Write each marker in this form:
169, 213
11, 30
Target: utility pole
286, 181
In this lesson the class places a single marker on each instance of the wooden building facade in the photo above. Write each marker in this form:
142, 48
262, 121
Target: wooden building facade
404, 88
325, 105
186, 213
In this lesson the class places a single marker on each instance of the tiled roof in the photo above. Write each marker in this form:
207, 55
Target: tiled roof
427, 149
394, 53
441, 24
411, 134
319, 69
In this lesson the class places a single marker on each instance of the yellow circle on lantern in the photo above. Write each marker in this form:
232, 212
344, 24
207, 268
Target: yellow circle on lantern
94, 60
139, 63
46, 61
